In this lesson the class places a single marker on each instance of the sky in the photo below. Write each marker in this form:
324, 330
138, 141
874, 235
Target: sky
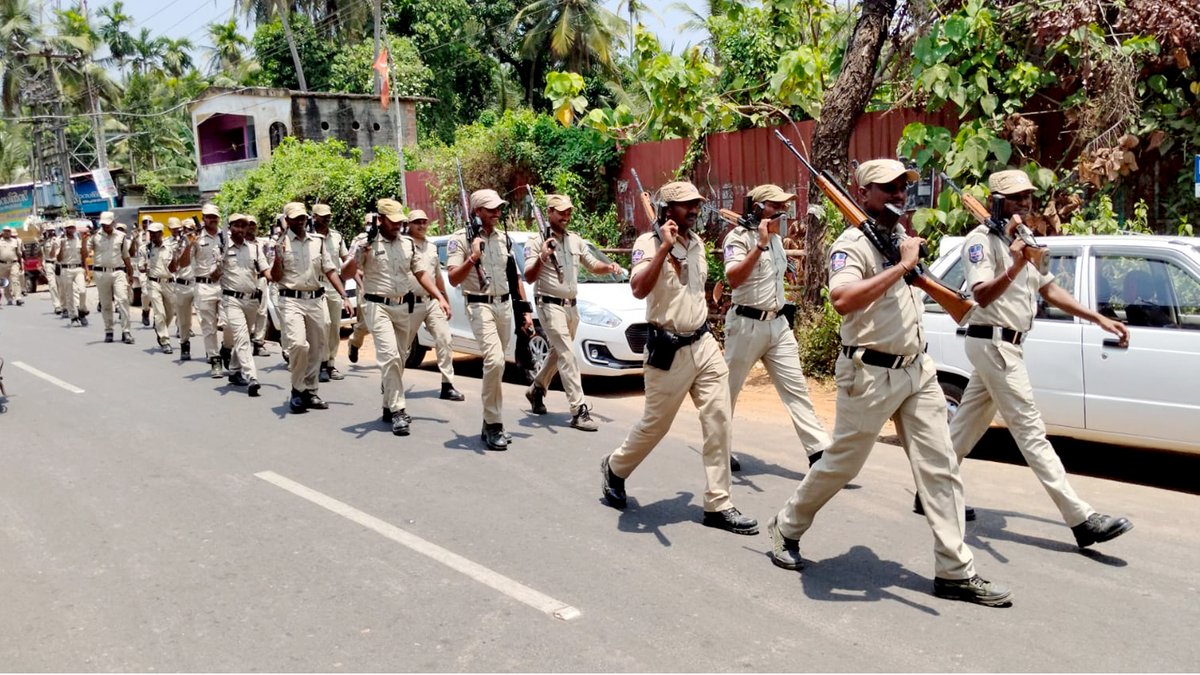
190, 18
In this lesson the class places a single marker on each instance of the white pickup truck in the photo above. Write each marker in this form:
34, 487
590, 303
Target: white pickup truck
1087, 387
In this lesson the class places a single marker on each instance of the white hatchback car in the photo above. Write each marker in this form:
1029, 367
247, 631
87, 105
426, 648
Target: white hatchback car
612, 323
1086, 386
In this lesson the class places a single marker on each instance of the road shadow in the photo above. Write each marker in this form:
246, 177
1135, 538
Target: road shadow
991, 525
859, 575
651, 518
373, 425
1141, 466
471, 443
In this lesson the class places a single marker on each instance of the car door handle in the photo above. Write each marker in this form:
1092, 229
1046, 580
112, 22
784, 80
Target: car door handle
1115, 343
961, 331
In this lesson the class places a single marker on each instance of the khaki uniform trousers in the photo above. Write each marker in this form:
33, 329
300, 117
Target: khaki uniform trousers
16, 278
260, 319
73, 290
113, 288
748, 341
162, 310
698, 370
560, 323
52, 283
304, 338
183, 298
208, 306
1000, 381
359, 336
492, 324
333, 330
239, 319
911, 397
430, 313
391, 329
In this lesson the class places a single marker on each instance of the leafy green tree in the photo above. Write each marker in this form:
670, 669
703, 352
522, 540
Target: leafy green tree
227, 53
574, 35
351, 70
113, 31
272, 52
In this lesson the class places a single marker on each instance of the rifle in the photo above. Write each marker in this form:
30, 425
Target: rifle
657, 217
994, 219
474, 226
956, 304
547, 234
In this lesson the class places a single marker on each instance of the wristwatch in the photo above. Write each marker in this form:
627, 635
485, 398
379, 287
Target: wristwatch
764, 249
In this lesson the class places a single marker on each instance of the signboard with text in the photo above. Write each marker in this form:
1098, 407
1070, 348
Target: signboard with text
16, 204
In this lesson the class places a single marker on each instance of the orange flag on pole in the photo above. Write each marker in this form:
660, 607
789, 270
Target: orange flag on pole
381, 66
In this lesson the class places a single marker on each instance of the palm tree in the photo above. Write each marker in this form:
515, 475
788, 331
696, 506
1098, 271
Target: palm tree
578, 35
113, 32
19, 34
177, 56
147, 51
14, 154
228, 44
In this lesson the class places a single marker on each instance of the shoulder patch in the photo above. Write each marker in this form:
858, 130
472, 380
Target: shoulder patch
728, 250
638, 255
452, 246
975, 253
837, 261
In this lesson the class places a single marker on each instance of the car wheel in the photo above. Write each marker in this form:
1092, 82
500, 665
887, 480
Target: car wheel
539, 351
416, 355
953, 391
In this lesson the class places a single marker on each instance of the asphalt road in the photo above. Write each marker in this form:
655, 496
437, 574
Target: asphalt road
161, 520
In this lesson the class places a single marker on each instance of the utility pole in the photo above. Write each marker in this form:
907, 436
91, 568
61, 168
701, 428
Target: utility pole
98, 132
376, 7
46, 94
399, 136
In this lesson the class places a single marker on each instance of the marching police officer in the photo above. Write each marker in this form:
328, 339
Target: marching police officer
258, 338
203, 257
883, 372
757, 327
300, 261
1006, 287
12, 265
112, 269
682, 358
241, 266
49, 250
553, 268
157, 291
429, 313
480, 266
72, 252
183, 284
336, 247
393, 273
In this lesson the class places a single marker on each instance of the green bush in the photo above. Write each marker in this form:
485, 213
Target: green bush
817, 333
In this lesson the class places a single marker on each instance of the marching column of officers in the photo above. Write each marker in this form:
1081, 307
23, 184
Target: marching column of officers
882, 371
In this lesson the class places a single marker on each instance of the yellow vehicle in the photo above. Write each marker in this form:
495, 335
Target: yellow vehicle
134, 214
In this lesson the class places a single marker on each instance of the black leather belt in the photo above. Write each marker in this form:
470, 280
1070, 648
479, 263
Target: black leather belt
472, 298
70, 266
989, 332
183, 282
256, 295
205, 280
680, 339
107, 269
880, 359
301, 295
756, 314
562, 302
383, 299
159, 280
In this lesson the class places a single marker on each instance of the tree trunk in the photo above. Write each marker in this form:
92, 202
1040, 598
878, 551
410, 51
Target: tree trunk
291, 40
844, 103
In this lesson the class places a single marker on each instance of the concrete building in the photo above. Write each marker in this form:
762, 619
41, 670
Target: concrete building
237, 128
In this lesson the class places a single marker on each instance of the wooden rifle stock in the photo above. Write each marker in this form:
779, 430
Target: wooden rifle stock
648, 206
956, 304
547, 234
472, 227
1034, 252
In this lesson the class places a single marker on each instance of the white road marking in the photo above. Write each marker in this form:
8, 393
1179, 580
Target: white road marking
513, 589
47, 377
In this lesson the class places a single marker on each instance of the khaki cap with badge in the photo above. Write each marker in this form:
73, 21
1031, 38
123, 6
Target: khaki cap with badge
486, 199
294, 210
559, 202
417, 214
154, 227
770, 193
210, 210
679, 191
107, 217
1010, 182
322, 210
882, 171
391, 209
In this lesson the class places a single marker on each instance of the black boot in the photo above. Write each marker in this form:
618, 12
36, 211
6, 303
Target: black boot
1099, 528
449, 393
260, 349
353, 354
400, 423
216, 371
145, 317
324, 376
296, 404
314, 402
185, 350
226, 354
612, 486
108, 336
493, 437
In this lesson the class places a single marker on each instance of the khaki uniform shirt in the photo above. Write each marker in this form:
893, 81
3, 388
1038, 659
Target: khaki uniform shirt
206, 253
428, 253
335, 246
158, 258
10, 249
987, 257
678, 305
71, 250
176, 245
891, 324
109, 250
494, 262
571, 249
763, 289
241, 266
50, 248
389, 267
305, 262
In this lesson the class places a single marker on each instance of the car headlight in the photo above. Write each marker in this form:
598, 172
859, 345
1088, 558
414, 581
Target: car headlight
595, 315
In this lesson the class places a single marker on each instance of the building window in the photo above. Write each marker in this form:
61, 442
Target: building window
277, 132
226, 138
